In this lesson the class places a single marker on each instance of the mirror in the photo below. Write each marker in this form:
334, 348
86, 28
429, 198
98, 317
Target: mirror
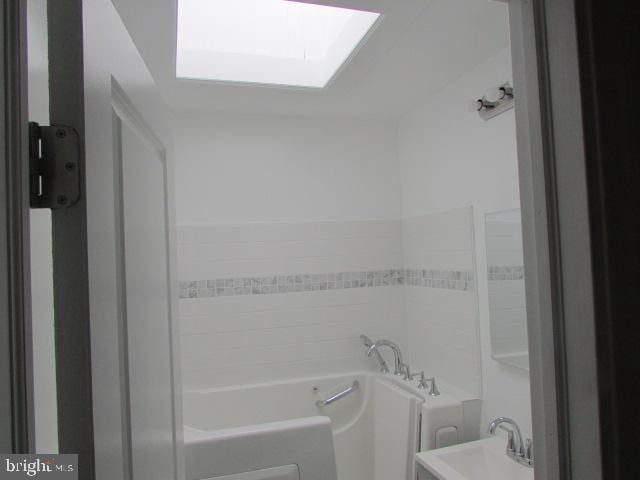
507, 304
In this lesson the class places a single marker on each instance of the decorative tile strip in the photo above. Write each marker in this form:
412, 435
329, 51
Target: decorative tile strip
223, 287
449, 279
226, 287
506, 272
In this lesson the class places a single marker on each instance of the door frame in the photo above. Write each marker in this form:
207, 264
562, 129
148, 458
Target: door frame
556, 233
576, 75
69, 235
73, 348
16, 387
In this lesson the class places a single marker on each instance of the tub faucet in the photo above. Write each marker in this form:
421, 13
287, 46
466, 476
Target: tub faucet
517, 450
367, 343
399, 364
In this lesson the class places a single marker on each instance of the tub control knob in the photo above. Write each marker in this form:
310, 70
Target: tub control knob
433, 391
422, 384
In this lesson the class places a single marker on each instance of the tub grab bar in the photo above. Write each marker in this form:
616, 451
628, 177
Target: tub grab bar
347, 391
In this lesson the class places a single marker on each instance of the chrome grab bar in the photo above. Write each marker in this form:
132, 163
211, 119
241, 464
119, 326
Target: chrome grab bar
347, 391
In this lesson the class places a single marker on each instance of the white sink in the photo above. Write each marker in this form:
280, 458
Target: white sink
480, 460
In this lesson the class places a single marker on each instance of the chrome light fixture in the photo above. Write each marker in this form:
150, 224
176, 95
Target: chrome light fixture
494, 102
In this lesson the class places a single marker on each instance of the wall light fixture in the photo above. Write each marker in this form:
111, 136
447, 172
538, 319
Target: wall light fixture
494, 102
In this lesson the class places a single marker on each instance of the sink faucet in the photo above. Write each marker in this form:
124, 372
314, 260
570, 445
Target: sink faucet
368, 343
399, 364
517, 450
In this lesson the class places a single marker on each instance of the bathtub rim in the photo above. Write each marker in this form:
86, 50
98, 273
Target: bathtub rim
448, 392
444, 387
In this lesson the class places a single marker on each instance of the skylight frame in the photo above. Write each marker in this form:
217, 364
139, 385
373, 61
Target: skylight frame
207, 66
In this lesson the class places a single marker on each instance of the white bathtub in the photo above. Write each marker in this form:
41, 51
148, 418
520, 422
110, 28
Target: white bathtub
278, 411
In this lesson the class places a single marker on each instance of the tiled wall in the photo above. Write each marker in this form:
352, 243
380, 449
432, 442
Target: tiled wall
281, 319
266, 301
442, 324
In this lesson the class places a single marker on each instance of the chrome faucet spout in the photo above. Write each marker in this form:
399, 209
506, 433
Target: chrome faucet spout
515, 443
514, 426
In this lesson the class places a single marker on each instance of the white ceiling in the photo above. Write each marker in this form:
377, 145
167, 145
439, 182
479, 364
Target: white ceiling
419, 47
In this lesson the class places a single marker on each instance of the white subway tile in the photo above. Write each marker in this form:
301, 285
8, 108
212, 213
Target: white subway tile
229, 340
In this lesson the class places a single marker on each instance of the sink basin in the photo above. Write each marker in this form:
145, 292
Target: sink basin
480, 460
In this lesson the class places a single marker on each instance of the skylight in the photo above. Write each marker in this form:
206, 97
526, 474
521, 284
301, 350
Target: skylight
275, 42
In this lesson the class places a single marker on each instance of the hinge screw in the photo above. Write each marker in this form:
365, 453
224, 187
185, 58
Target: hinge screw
62, 199
61, 133
69, 166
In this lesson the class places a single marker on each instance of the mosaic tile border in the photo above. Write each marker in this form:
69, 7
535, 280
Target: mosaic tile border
226, 287
448, 279
506, 272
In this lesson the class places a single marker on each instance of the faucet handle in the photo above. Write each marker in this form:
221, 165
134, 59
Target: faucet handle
434, 392
406, 370
422, 384
528, 452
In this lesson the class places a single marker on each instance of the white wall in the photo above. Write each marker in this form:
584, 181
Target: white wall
236, 169
285, 198
450, 158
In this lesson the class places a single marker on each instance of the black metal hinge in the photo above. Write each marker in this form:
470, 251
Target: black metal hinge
54, 152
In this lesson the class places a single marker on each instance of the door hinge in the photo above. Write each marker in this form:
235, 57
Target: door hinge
54, 154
